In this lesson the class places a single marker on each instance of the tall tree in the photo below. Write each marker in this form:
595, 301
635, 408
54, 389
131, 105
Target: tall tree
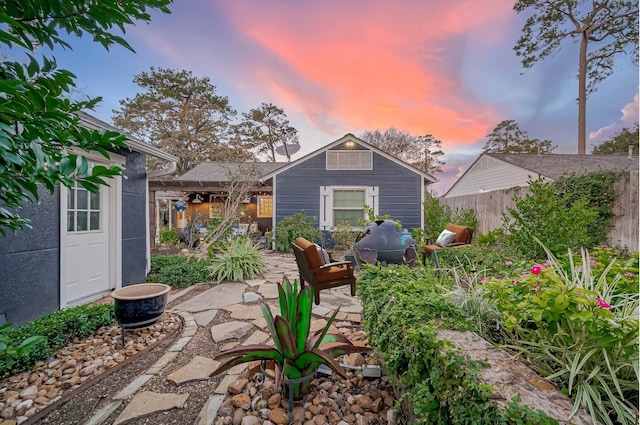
603, 28
265, 128
423, 152
508, 137
40, 133
181, 114
619, 143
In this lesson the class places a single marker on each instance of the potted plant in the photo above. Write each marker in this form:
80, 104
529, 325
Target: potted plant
296, 353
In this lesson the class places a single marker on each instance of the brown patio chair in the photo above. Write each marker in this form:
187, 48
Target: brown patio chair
321, 276
463, 235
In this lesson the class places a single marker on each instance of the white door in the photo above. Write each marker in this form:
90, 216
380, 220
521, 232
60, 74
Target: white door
86, 260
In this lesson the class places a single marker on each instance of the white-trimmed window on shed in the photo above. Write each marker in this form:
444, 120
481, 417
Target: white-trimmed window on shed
340, 204
349, 160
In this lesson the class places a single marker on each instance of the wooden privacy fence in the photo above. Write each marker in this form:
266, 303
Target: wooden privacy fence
490, 207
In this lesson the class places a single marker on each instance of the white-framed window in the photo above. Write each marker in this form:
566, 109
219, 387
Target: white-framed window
265, 206
83, 209
346, 204
350, 160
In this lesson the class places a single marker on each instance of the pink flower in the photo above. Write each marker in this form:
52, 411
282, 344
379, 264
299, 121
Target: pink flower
484, 279
508, 263
603, 304
629, 274
536, 269
515, 282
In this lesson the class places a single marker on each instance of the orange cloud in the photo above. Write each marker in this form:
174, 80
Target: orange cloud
351, 66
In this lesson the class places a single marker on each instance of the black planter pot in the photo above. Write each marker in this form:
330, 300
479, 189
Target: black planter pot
140, 305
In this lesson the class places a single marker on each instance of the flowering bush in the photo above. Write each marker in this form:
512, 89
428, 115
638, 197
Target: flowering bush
579, 328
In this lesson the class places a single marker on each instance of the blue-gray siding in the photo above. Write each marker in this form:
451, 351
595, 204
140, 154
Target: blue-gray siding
298, 188
30, 263
134, 224
30, 260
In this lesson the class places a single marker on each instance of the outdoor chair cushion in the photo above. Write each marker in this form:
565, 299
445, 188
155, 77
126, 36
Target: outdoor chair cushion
445, 238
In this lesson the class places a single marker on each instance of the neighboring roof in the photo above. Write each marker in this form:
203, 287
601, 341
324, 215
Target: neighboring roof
343, 139
92, 123
213, 171
555, 165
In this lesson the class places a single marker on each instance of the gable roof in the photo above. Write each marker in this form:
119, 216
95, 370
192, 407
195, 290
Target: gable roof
361, 142
214, 171
554, 166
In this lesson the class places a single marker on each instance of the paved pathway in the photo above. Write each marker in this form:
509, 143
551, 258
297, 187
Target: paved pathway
239, 299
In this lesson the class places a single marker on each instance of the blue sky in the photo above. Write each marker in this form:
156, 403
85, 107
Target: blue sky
426, 67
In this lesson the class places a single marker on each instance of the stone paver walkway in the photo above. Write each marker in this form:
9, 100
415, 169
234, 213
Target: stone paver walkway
240, 300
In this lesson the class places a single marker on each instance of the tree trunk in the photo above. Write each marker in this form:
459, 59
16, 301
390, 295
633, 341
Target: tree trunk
582, 95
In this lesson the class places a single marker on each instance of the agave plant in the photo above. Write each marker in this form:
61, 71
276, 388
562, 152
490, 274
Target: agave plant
296, 353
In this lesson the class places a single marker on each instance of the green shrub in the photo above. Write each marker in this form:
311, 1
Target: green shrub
239, 261
169, 236
551, 217
436, 217
57, 328
578, 329
344, 236
177, 270
402, 309
295, 226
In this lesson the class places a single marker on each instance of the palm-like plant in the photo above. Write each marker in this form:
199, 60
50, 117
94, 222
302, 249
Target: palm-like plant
296, 352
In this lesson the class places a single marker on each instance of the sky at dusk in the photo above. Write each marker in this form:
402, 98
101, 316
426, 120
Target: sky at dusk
445, 68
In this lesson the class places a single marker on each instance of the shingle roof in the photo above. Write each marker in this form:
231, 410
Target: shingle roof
219, 171
555, 165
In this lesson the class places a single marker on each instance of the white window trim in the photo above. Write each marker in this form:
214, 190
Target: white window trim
326, 202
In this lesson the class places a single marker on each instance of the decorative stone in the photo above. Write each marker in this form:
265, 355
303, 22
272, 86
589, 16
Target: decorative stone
279, 416
29, 393
147, 403
237, 386
197, 369
274, 401
238, 414
240, 400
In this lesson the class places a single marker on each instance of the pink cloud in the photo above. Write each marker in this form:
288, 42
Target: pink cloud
350, 66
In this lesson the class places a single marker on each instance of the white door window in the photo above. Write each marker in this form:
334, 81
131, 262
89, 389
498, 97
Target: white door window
83, 209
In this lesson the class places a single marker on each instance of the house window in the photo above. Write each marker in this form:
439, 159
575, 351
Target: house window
350, 160
83, 209
265, 206
346, 204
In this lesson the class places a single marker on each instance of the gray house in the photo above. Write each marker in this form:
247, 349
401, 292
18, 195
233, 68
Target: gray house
82, 245
335, 182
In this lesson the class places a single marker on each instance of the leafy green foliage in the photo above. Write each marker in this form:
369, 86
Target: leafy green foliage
571, 320
508, 137
178, 271
619, 143
265, 128
169, 236
239, 260
55, 329
178, 111
598, 190
295, 226
437, 215
556, 218
39, 128
11, 350
344, 236
297, 352
402, 309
